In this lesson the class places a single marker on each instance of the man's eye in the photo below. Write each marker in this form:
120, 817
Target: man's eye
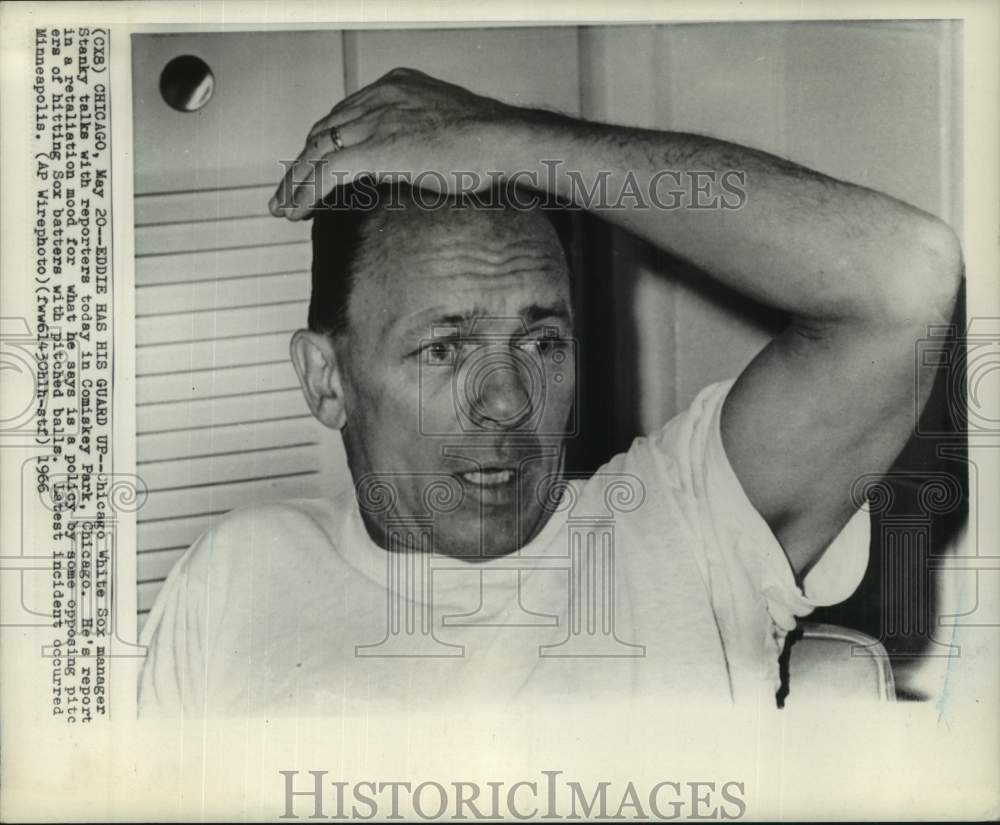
440, 353
545, 346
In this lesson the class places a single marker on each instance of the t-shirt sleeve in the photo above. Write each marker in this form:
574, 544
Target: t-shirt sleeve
755, 597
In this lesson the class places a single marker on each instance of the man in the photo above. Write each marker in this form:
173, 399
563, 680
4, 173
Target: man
467, 570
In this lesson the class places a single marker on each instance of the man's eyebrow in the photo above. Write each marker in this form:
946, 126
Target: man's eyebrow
530, 315
535, 313
454, 319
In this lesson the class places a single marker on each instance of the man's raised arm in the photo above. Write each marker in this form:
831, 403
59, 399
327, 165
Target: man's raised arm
859, 273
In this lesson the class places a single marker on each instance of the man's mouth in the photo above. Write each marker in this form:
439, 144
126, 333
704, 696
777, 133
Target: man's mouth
488, 477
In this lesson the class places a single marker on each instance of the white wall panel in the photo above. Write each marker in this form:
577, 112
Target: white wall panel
269, 87
868, 102
524, 66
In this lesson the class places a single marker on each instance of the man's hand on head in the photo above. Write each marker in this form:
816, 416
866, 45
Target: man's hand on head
405, 123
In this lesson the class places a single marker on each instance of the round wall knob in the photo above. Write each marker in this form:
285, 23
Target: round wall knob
187, 83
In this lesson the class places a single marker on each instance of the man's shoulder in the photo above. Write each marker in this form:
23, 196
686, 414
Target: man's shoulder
676, 447
274, 533
258, 557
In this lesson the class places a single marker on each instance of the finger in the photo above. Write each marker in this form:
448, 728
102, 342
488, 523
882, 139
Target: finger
313, 181
299, 170
301, 175
350, 108
349, 119
372, 97
338, 117
337, 169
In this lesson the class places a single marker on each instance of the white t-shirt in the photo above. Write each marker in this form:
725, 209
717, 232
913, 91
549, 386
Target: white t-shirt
680, 589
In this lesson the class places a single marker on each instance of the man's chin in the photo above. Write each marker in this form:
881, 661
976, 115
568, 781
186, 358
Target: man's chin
495, 536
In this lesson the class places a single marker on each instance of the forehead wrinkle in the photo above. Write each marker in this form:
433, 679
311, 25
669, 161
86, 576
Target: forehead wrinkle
406, 250
473, 262
471, 276
490, 248
488, 257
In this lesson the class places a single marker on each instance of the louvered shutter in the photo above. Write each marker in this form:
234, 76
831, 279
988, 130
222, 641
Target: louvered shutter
219, 288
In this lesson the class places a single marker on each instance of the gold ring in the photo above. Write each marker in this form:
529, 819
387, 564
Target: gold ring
335, 137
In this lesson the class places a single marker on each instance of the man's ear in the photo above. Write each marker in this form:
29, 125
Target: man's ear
319, 374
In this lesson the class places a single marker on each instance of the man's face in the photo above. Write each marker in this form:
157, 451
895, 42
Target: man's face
458, 367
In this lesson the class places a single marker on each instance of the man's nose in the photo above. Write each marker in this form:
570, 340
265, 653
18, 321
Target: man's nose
503, 397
